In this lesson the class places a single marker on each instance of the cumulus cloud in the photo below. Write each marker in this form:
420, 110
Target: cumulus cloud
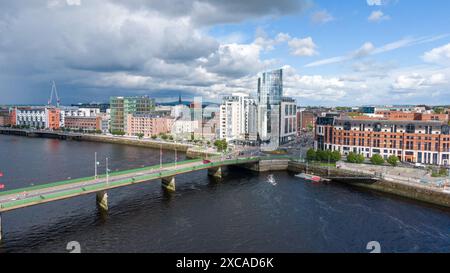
439, 55
99, 46
378, 16
377, 2
303, 47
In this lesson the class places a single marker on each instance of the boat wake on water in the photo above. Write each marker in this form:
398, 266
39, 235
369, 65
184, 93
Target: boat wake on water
271, 180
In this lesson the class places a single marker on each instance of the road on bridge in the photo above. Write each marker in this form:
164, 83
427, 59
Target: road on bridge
32, 194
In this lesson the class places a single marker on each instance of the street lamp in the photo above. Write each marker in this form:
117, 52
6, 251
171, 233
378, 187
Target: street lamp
107, 172
96, 163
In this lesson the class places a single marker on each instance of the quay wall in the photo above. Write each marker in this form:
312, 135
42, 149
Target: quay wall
424, 193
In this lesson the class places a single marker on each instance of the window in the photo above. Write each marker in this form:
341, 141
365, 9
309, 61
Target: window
410, 128
347, 126
377, 127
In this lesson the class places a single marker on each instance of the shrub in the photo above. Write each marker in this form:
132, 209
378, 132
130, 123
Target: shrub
311, 155
393, 160
377, 159
355, 158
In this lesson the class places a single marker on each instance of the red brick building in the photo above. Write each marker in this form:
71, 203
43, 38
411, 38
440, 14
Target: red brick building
85, 123
422, 141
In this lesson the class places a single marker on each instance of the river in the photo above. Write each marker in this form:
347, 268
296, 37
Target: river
241, 213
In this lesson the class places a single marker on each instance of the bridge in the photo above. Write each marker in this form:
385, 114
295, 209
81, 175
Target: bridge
40, 194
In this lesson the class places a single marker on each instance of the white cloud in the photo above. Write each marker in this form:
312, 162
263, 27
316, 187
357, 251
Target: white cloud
369, 49
378, 16
303, 47
439, 55
321, 17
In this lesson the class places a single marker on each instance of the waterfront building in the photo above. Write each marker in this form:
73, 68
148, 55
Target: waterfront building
47, 117
5, 117
121, 107
85, 123
412, 140
73, 111
288, 120
148, 125
237, 117
270, 111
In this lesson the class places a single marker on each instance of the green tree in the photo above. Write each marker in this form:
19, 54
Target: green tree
311, 155
118, 132
335, 156
140, 135
309, 127
377, 159
355, 158
393, 160
164, 136
221, 145
154, 136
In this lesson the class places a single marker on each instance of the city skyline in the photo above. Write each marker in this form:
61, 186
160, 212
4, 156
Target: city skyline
333, 54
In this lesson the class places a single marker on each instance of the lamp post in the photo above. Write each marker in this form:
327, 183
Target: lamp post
107, 172
160, 156
175, 157
96, 163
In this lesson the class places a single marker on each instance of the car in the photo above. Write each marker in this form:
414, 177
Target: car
206, 161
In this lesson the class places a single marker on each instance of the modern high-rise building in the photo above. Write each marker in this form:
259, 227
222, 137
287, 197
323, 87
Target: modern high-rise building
272, 115
122, 106
238, 117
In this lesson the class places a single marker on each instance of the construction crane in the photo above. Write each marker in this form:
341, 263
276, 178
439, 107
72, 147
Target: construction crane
54, 90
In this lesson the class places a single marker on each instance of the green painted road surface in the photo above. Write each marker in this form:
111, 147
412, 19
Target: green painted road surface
29, 196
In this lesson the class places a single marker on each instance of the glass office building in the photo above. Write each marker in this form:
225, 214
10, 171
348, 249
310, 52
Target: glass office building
270, 94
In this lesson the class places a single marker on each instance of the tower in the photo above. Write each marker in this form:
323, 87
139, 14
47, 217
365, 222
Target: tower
54, 90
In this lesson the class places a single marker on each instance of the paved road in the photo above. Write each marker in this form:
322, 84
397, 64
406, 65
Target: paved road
78, 185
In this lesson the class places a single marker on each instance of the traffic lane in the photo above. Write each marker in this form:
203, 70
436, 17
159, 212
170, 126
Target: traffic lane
36, 193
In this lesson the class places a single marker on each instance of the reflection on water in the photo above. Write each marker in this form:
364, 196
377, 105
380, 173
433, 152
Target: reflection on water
244, 212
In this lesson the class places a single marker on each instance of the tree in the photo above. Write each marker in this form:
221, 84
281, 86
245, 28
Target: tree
377, 159
309, 127
311, 155
164, 136
393, 160
118, 132
140, 135
154, 136
335, 156
221, 145
355, 158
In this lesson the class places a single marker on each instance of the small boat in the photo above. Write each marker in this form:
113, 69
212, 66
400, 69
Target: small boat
309, 177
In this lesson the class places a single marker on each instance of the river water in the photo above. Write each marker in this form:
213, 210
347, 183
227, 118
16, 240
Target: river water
242, 213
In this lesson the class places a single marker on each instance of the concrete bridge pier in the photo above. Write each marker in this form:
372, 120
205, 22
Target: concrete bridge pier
217, 172
168, 183
102, 200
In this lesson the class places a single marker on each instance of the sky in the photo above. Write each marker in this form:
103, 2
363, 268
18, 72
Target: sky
334, 53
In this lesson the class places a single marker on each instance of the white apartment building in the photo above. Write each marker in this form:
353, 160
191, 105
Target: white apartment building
237, 117
288, 120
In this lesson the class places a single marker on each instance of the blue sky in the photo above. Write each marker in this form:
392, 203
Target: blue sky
348, 52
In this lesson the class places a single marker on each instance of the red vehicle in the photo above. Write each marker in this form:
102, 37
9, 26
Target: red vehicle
2, 186
206, 161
